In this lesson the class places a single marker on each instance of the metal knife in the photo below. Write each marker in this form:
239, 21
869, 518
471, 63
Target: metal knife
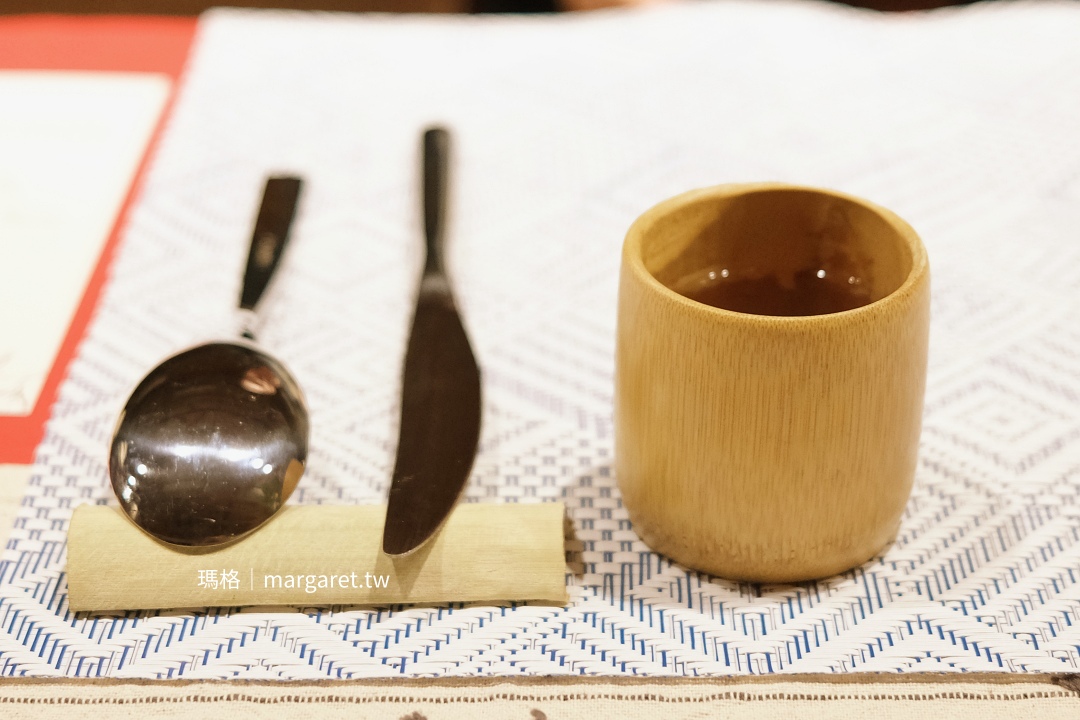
440, 396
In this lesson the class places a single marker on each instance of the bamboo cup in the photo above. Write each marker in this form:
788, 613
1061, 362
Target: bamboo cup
761, 447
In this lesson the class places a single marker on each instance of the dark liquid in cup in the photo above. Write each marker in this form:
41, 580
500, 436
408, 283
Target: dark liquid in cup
812, 292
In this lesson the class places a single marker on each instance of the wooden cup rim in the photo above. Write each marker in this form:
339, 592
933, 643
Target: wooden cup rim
633, 261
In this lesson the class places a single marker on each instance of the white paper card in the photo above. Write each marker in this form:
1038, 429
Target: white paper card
71, 143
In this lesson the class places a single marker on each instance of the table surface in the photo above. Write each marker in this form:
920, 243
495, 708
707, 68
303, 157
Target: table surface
971, 140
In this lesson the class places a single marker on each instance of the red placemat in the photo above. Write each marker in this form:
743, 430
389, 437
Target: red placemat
98, 43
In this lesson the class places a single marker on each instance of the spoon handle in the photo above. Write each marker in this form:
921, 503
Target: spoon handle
270, 236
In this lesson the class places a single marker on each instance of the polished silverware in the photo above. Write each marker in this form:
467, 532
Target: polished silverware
440, 398
214, 440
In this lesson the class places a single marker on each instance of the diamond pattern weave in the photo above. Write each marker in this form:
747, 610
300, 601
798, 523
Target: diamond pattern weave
964, 121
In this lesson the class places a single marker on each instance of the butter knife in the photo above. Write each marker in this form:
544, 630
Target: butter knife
440, 395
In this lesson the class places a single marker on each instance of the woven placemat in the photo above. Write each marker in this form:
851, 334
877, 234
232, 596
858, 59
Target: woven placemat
980, 695
566, 128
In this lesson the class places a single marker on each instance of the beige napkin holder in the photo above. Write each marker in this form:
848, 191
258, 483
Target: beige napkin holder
321, 555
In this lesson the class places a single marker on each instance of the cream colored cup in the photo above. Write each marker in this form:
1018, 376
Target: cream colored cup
759, 447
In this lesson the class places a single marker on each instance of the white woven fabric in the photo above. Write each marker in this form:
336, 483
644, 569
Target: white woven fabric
813, 697
963, 121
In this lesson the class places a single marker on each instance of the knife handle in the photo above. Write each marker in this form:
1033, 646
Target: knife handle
269, 238
436, 181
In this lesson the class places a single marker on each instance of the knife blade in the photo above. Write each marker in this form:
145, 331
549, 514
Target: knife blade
440, 389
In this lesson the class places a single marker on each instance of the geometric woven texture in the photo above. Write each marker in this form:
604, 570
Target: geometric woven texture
963, 121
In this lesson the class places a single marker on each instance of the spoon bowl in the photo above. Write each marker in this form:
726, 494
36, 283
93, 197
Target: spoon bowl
210, 445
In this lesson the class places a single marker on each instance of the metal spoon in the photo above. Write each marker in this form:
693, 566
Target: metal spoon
214, 440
